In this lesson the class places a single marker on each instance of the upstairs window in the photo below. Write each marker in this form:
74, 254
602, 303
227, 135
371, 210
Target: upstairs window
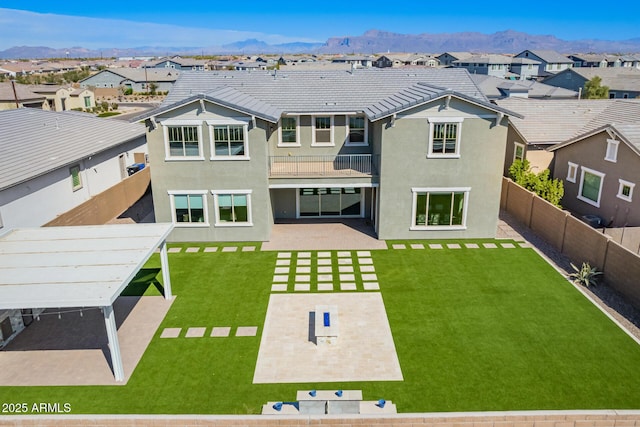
76, 179
572, 172
625, 190
229, 141
183, 141
518, 151
87, 102
612, 150
289, 132
323, 131
357, 132
444, 137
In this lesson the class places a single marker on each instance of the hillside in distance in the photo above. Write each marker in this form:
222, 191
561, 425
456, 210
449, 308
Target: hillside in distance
371, 42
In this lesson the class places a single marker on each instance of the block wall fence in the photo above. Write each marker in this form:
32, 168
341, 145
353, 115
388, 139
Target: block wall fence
575, 239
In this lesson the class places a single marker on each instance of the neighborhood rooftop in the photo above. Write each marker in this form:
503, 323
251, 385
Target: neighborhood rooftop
54, 140
376, 92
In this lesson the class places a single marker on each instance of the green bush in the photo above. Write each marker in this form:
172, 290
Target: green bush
585, 276
549, 189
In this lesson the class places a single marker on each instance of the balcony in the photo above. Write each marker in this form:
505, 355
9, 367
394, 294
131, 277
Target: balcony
323, 166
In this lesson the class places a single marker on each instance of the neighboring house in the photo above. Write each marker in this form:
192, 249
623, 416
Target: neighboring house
551, 62
247, 66
546, 123
630, 61
384, 61
138, 80
492, 65
14, 95
600, 170
447, 58
525, 68
232, 152
178, 63
623, 82
355, 60
52, 162
595, 60
497, 88
63, 98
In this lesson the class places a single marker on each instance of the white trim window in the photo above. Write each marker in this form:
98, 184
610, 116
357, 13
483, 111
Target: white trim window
612, 150
444, 137
289, 132
572, 172
228, 141
189, 208
590, 189
183, 140
76, 178
232, 208
439, 208
518, 151
625, 190
357, 131
322, 131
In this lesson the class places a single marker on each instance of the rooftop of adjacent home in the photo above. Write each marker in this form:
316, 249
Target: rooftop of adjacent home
377, 93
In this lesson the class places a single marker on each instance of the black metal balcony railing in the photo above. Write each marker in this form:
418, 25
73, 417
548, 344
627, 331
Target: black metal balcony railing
322, 165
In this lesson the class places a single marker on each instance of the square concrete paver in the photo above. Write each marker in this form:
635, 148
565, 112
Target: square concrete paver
417, 246
170, 333
347, 277
303, 261
281, 270
195, 332
325, 269
367, 269
490, 245
508, 245
248, 249
364, 261
246, 331
364, 350
399, 246
345, 261
302, 287
279, 287
344, 254
284, 254
471, 245
281, 262
325, 286
220, 331
324, 254
174, 250
230, 249
363, 253
192, 250
281, 278
370, 286
525, 245
454, 245
303, 278
345, 269
369, 277
348, 286
324, 261
435, 246
211, 249
304, 254
303, 270
325, 277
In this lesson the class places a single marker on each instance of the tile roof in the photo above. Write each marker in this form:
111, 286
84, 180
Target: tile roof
617, 78
556, 121
486, 59
35, 142
22, 91
496, 88
549, 56
630, 132
141, 74
376, 92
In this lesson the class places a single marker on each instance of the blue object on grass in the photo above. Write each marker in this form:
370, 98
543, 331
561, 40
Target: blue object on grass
381, 403
277, 406
327, 319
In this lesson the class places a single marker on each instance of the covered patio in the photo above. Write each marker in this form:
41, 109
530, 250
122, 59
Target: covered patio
77, 269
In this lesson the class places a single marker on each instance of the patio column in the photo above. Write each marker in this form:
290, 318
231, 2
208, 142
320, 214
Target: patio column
114, 345
164, 265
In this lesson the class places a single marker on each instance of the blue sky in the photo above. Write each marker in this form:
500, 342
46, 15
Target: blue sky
210, 23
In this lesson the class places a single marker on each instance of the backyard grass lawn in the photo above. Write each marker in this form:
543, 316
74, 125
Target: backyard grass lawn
474, 329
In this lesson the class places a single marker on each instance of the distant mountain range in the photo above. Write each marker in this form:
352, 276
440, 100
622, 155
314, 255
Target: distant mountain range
371, 42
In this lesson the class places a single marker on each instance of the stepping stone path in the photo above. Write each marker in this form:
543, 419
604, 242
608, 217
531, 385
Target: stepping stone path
246, 331
324, 271
170, 333
195, 332
216, 332
192, 250
220, 331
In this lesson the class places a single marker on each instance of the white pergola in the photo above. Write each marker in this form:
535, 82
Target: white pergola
79, 266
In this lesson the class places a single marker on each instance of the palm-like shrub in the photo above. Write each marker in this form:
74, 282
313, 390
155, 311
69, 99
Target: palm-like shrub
585, 276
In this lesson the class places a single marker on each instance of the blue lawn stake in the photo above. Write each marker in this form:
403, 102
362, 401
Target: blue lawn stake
327, 319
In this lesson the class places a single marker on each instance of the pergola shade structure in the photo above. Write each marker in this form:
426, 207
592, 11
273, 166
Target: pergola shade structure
80, 266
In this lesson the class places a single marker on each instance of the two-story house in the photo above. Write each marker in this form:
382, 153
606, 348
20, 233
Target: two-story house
492, 65
178, 63
233, 152
551, 62
623, 82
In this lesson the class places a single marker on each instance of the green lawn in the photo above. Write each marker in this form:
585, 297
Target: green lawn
475, 329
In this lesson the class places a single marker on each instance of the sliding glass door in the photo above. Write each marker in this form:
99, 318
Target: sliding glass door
330, 202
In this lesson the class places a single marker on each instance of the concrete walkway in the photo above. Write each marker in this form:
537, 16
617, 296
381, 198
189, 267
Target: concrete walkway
72, 350
323, 235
